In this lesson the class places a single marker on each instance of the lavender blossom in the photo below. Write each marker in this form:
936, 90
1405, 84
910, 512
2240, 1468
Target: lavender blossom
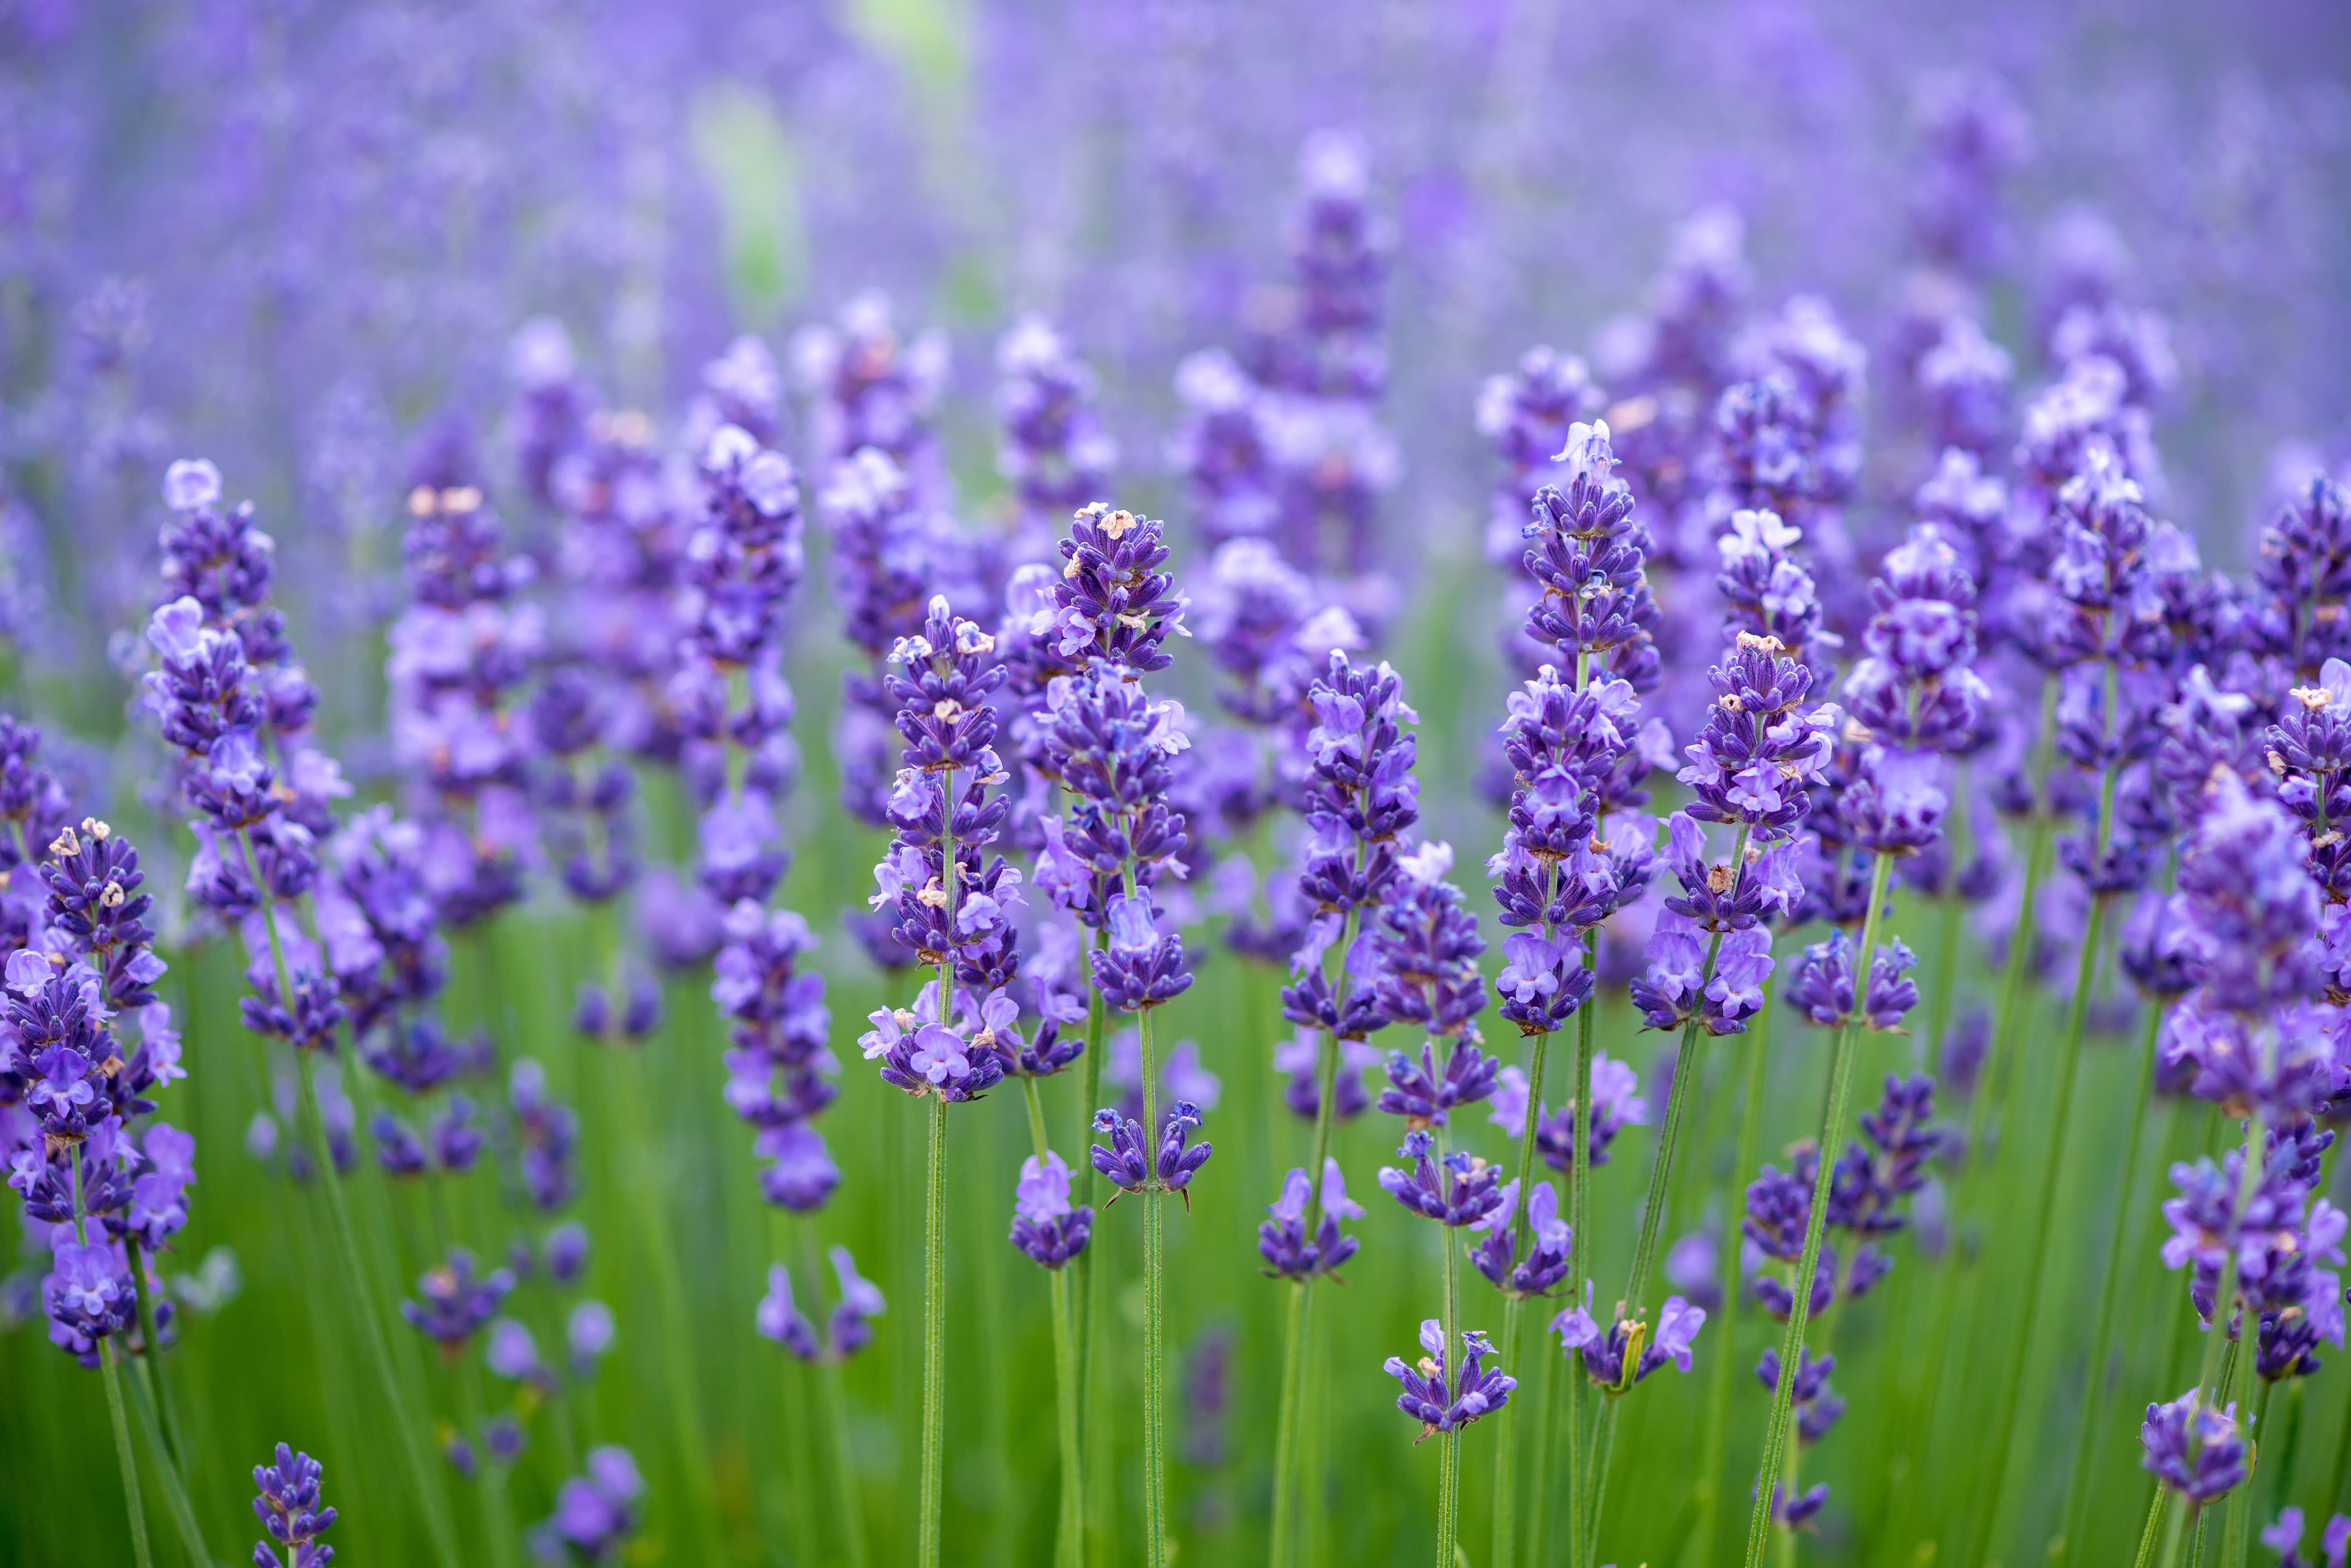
1282, 1240
1444, 1403
1044, 1224
2197, 1451
597, 1512
287, 1503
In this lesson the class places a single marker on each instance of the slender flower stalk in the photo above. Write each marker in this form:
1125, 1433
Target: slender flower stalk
1574, 754
1361, 797
1775, 1435
228, 697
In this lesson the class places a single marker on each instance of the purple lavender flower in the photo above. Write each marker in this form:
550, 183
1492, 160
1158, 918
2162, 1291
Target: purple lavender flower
1044, 1224
1821, 985
1053, 451
1459, 1190
1125, 1163
1616, 1104
1577, 756
2197, 1451
456, 656
1446, 1405
1545, 1265
779, 1318
1916, 685
1282, 1240
1816, 1406
287, 1506
923, 1052
547, 1135
88, 1293
1359, 795
1628, 1352
456, 1301
872, 387
1594, 606
2285, 1538
2303, 578
595, 1513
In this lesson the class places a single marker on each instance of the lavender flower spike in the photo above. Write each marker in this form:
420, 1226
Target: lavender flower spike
1044, 1224
1443, 1406
1282, 1241
287, 1507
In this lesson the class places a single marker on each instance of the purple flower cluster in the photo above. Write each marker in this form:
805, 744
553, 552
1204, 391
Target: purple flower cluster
1457, 1190
596, 1513
286, 1501
1576, 759
1821, 986
1629, 1350
456, 1301
1443, 1402
1869, 1192
1359, 797
1282, 1240
2278, 1241
741, 565
2194, 1449
1053, 451
1045, 1227
952, 913
1585, 559
84, 1044
1129, 1167
1616, 1104
457, 655
778, 1070
1544, 1266
847, 1329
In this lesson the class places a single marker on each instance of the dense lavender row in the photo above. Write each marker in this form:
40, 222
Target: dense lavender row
1959, 754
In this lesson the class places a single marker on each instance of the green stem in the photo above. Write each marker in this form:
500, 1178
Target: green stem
1775, 1436
2027, 1318
330, 1177
1506, 1467
1298, 1339
2238, 1537
2150, 1534
2173, 1528
669, 1289
2078, 1488
852, 1514
1557, 1370
1718, 1399
1579, 1261
1449, 1362
175, 1491
150, 1359
1603, 1453
1070, 1541
1155, 1314
1285, 1431
497, 1523
130, 1467
934, 1300
1083, 1280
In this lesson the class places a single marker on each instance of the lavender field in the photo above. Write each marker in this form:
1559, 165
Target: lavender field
1174, 781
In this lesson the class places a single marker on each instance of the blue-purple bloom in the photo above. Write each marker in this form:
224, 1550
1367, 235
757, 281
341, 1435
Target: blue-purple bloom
1044, 1224
287, 1503
2194, 1449
596, 1513
1459, 1190
1281, 1240
1444, 1403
